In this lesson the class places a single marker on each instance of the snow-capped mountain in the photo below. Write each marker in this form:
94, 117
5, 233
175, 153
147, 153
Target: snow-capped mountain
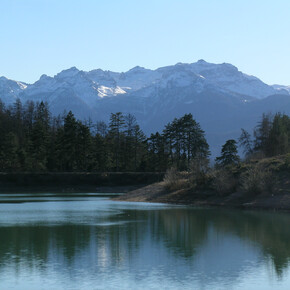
10, 90
96, 84
221, 98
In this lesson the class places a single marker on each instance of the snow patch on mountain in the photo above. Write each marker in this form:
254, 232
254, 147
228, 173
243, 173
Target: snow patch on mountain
281, 89
141, 83
108, 92
10, 90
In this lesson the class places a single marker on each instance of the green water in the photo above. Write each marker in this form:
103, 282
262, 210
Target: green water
73, 242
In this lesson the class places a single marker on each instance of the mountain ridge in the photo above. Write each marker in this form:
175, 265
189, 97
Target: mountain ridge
220, 97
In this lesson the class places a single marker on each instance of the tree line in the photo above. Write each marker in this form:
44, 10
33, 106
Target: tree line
34, 140
271, 137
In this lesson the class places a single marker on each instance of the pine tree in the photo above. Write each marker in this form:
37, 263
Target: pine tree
101, 128
39, 138
67, 151
229, 154
8, 152
157, 159
279, 136
185, 141
138, 146
116, 126
262, 132
101, 153
246, 142
83, 148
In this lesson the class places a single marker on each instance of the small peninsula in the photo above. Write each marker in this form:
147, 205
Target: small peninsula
257, 184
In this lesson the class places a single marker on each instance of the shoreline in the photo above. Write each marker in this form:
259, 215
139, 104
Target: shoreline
69, 190
156, 193
66, 182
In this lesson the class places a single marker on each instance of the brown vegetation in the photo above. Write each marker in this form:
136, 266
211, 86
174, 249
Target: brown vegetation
263, 183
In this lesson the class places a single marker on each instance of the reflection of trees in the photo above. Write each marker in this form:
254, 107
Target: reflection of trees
268, 230
35, 242
181, 230
126, 238
65, 243
186, 229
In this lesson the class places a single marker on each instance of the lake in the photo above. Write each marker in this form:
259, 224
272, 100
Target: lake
90, 242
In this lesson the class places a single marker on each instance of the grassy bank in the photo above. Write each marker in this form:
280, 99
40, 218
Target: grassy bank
76, 181
263, 183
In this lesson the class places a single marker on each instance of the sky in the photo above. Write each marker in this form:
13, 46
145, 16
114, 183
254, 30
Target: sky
47, 36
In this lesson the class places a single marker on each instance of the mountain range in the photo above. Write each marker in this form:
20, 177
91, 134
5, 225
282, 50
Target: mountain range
220, 97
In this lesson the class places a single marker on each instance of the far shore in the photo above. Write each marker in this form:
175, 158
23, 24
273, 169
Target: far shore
69, 189
75, 182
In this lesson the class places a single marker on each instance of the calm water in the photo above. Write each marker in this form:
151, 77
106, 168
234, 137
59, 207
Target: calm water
93, 243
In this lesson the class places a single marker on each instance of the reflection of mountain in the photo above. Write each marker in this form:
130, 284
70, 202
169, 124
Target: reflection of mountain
122, 243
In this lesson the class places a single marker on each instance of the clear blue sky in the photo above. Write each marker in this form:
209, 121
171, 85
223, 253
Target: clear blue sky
46, 36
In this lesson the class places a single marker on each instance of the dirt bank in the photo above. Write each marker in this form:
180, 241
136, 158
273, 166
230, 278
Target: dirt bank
157, 193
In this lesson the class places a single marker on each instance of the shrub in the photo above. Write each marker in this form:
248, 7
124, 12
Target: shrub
257, 180
198, 170
223, 181
174, 180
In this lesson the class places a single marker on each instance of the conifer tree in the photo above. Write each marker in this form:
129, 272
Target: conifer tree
229, 154
116, 126
279, 136
83, 147
8, 152
246, 142
39, 137
68, 143
262, 132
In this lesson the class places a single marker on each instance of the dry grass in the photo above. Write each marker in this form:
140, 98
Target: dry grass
174, 180
253, 177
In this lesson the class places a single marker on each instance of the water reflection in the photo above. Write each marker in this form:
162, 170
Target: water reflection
103, 243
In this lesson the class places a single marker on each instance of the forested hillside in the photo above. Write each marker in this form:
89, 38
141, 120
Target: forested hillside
33, 140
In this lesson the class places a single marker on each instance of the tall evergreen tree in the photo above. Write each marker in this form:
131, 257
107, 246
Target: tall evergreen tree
83, 148
262, 132
116, 126
246, 142
8, 152
279, 136
39, 138
185, 140
67, 147
229, 154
